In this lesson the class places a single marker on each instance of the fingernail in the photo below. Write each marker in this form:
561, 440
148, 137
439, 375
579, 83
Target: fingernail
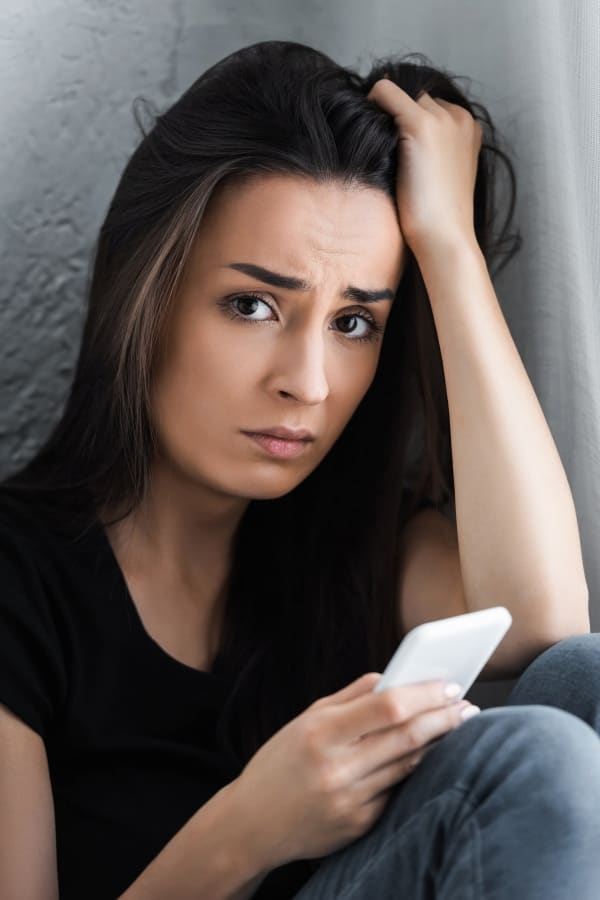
469, 711
452, 689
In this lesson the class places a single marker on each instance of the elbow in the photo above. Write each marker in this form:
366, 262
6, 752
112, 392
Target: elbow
524, 642
571, 617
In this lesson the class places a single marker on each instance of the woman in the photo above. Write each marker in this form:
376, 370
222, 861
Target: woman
194, 615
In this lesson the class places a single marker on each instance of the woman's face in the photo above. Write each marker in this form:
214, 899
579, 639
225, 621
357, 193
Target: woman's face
288, 357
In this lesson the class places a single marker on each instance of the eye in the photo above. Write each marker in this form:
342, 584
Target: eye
229, 306
246, 299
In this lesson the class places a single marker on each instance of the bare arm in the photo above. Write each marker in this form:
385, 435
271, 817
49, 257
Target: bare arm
28, 868
516, 523
212, 855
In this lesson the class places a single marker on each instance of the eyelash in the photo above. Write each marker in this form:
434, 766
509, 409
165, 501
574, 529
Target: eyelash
375, 329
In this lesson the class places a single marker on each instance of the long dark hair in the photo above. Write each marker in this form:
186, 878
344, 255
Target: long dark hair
324, 608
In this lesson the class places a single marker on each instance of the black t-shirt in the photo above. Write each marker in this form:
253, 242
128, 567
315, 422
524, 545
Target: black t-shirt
128, 729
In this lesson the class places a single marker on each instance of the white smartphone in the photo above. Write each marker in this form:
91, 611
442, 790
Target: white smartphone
451, 649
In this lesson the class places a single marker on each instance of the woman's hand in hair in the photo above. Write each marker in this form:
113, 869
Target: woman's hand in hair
324, 779
438, 150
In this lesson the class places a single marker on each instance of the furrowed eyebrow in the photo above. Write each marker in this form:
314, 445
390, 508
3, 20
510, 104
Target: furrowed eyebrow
289, 283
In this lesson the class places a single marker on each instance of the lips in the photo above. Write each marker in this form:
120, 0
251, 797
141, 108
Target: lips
278, 447
285, 434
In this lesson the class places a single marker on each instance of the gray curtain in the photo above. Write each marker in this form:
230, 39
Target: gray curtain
70, 72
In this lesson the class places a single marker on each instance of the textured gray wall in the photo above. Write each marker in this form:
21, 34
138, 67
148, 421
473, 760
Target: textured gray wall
69, 74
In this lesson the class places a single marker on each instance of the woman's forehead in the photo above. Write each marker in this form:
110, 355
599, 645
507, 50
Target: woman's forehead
297, 225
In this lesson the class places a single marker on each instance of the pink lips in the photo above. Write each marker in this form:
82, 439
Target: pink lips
284, 433
277, 447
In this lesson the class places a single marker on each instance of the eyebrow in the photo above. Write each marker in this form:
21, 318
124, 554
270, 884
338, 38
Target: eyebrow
288, 282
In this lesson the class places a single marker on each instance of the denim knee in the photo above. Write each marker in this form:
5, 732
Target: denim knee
535, 794
504, 805
535, 747
565, 675
532, 757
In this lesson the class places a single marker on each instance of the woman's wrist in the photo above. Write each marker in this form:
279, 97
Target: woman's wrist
250, 846
217, 853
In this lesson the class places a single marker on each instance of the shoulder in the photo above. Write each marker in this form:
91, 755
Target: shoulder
33, 673
26, 551
33, 560
20, 536
32, 528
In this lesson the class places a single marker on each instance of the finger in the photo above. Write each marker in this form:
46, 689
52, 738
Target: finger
459, 112
377, 804
395, 101
447, 105
381, 748
382, 709
427, 101
383, 779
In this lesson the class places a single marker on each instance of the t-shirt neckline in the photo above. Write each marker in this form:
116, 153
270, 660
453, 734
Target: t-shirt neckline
98, 534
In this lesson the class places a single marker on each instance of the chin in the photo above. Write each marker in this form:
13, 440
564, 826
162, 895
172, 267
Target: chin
281, 489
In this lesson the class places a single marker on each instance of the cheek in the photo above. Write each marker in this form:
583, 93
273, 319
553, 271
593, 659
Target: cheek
204, 379
185, 388
355, 377
203, 360
347, 391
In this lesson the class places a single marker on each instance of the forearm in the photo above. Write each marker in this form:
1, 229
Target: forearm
518, 537
210, 856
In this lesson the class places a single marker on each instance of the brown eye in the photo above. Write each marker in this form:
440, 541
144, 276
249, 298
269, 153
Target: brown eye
234, 308
248, 300
370, 322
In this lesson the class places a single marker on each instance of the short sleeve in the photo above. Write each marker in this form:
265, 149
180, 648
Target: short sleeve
32, 671
422, 502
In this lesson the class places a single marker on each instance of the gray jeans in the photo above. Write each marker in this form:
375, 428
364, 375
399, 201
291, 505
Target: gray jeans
504, 807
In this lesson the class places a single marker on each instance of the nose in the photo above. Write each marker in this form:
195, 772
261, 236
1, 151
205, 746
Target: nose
301, 368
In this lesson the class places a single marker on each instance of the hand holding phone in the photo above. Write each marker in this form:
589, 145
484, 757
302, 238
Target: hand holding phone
327, 775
